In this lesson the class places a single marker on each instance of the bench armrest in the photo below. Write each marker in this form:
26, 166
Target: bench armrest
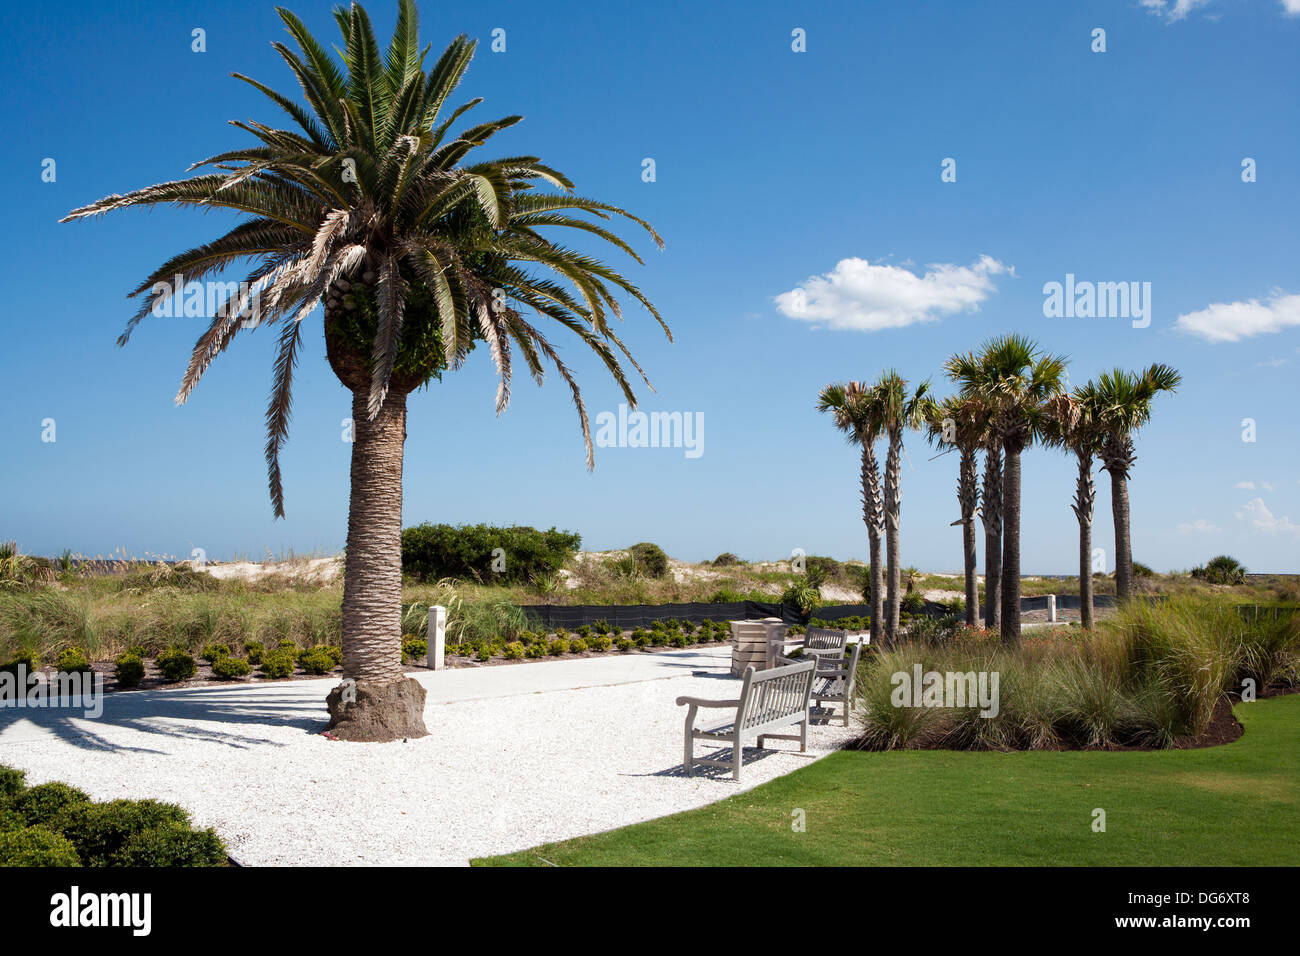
701, 702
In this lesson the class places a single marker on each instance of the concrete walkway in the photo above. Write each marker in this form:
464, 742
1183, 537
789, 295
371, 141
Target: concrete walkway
517, 755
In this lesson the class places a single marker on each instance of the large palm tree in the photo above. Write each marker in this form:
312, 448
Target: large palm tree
991, 518
899, 409
1076, 432
373, 206
961, 423
1023, 389
1119, 402
854, 412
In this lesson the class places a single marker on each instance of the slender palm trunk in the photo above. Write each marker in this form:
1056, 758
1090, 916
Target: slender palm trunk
1011, 547
382, 704
992, 518
873, 514
1085, 494
968, 499
893, 515
1119, 458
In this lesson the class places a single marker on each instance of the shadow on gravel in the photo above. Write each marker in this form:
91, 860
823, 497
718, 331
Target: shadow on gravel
187, 714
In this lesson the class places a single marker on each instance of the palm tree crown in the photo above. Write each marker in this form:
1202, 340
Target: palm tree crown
374, 207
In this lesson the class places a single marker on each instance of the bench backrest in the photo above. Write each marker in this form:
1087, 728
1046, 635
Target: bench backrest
824, 638
775, 694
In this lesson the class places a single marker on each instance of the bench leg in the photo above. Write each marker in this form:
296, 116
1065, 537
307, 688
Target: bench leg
737, 752
688, 753
803, 736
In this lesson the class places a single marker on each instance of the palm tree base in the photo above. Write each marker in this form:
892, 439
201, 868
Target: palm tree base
379, 712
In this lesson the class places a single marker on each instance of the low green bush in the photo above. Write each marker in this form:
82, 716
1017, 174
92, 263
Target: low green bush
12, 783
625, 644
29, 660
557, 647
432, 551
173, 844
484, 653
602, 626
129, 670
230, 667
176, 664
10, 819
536, 649
254, 650
100, 831
214, 652
36, 846
651, 560
73, 660
41, 804
601, 643
577, 646
513, 651
681, 640
317, 660
414, 648
278, 664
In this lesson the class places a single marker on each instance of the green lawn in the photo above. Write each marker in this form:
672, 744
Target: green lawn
1232, 805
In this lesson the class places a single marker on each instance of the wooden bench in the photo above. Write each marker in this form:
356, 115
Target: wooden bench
769, 700
835, 682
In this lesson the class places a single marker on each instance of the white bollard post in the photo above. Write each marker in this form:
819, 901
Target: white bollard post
437, 636
1051, 608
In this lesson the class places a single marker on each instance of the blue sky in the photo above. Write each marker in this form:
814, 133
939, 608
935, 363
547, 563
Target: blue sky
774, 170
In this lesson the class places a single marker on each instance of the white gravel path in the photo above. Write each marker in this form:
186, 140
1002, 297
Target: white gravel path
518, 755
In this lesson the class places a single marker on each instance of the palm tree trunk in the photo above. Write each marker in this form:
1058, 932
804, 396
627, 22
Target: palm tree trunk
1085, 494
992, 518
376, 701
968, 499
873, 511
1123, 546
1011, 547
893, 509
1119, 458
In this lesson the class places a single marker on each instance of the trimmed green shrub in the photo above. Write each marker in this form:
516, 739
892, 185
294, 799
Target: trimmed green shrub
173, 845
431, 551
537, 649
625, 644
28, 659
36, 846
584, 631
681, 640
601, 643
129, 670
176, 665
278, 663
100, 831
602, 626
484, 653
513, 651
557, 647
253, 650
317, 660
229, 667
413, 648
577, 646
41, 804
73, 660
12, 782
214, 652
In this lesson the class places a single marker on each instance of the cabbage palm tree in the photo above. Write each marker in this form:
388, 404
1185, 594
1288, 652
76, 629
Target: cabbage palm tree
1023, 390
961, 423
1077, 433
991, 518
855, 414
1119, 403
899, 410
373, 206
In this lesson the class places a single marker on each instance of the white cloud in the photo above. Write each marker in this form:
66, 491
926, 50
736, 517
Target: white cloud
1234, 321
1178, 10
864, 297
1199, 526
1265, 521
1248, 485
